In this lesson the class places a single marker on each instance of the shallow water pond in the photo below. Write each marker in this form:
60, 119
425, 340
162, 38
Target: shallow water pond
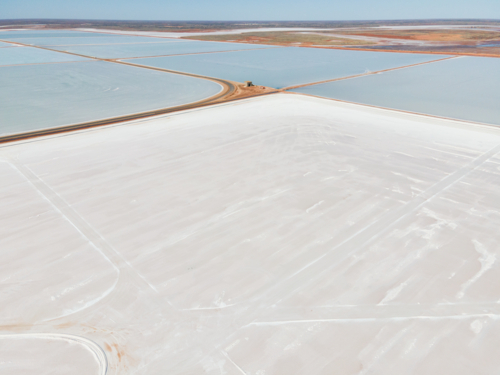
464, 88
283, 67
51, 95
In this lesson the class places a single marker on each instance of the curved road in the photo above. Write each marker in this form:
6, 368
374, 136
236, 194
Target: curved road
227, 89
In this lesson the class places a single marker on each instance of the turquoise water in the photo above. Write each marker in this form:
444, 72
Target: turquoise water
465, 88
29, 55
283, 67
51, 95
156, 49
85, 40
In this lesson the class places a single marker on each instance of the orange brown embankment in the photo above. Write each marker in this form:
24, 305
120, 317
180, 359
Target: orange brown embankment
241, 92
230, 91
107, 121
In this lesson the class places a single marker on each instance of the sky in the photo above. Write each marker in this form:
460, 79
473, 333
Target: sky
225, 10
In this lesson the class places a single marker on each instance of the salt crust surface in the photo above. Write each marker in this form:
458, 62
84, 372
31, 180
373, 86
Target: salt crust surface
278, 235
47, 354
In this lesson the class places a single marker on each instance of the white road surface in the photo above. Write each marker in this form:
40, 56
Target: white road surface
277, 235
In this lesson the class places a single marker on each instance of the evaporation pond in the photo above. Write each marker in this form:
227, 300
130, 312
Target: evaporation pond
51, 95
3, 44
7, 35
29, 55
47, 42
464, 88
156, 49
284, 67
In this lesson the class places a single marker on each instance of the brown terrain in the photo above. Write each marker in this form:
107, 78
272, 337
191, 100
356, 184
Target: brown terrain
477, 37
431, 35
240, 92
439, 41
283, 38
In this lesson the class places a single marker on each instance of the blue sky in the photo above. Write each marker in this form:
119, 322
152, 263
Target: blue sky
249, 9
